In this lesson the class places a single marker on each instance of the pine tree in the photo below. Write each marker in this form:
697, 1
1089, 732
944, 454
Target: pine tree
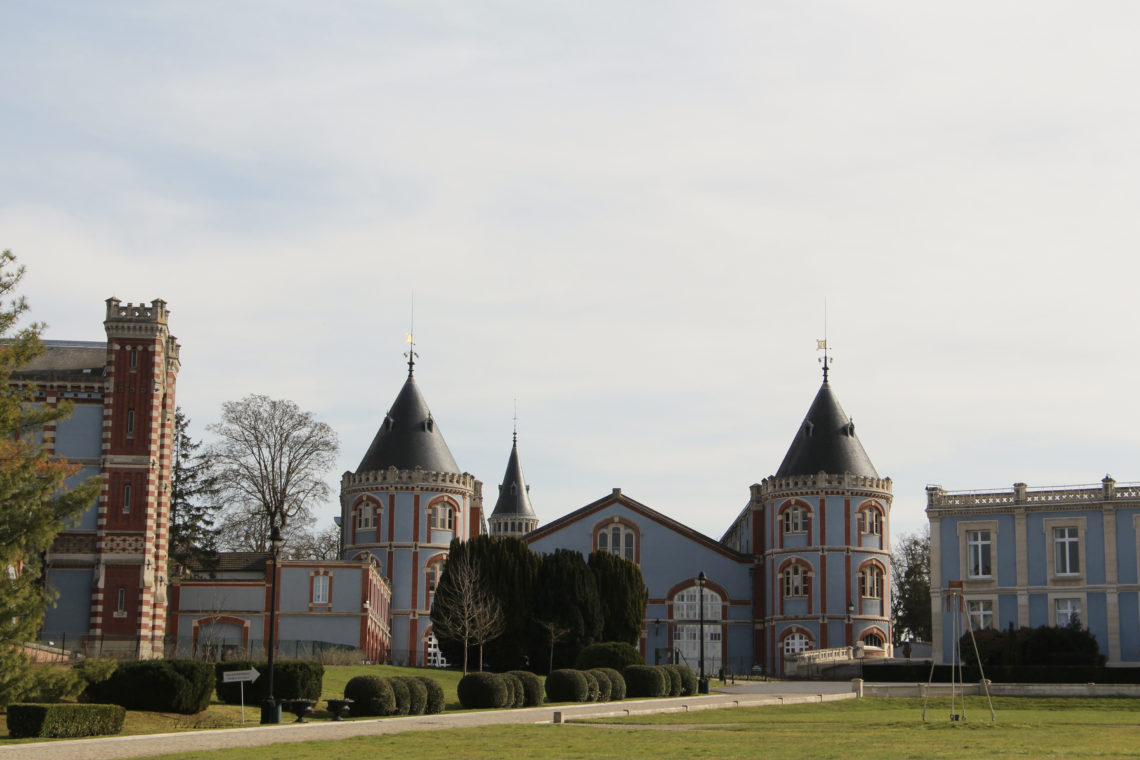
34, 505
193, 500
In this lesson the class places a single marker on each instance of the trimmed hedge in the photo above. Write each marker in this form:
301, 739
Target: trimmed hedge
292, 679
532, 687
604, 686
591, 686
567, 685
482, 691
688, 680
436, 699
516, 696
645, 681
919, 672
59, 721
617, 684
417, 694
674, 680
371, 696
608, 654
403, 696
180, 686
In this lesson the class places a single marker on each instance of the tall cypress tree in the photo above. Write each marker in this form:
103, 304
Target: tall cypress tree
623, 596
566, 600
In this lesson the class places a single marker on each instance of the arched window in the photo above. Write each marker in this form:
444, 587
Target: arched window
796, 580
686, 634
365, 516
443, 516
870, 520
617, 538
794, 643
873, 640
434, 571
795, 519
871, 582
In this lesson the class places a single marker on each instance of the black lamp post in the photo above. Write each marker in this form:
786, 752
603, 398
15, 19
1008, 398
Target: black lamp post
270, 711
703, 684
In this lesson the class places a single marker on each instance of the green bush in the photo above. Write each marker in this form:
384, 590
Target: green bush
292, 679
436, 699
673, 675
482, 691
591, 686
604, 686
94, 671
617, 683
403, 696
180, 686
417, 694
532, 687
516, 695
371, 696
688, 680
645, 681
608, 654
68, 720
567, 686
53, 683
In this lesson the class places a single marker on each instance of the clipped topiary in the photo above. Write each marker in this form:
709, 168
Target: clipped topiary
688, 680
67, 720
179, 686
402, 695
292, 679
417, 694
673, 677
608, 654
602, 679
617, 684
591, 686
482, 691
567, 686
436, 699
532, 687
371, 696
645, 681
516, 695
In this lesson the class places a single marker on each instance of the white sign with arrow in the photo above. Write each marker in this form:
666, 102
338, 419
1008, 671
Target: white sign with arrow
241, 677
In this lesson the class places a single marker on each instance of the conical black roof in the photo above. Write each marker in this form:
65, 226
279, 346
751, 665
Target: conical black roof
826, 442
513, 496
408, 437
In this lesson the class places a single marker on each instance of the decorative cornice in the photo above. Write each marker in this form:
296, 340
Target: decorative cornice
418, 476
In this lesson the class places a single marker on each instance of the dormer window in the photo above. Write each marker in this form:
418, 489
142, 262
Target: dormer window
429, 425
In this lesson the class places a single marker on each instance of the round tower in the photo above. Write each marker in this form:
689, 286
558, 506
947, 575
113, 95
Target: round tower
404, 504
824, 525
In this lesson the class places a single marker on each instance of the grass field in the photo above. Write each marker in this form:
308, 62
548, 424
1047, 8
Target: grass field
871, 729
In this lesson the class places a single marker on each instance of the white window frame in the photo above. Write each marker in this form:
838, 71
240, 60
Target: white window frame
321, 589
1074, 605
871, 579
793, 580
1050, 526
366, 516
617, 538
795, 643
981, 613
795, 520
966, 550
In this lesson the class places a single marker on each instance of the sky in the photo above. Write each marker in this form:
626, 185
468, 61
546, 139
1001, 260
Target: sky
628, 221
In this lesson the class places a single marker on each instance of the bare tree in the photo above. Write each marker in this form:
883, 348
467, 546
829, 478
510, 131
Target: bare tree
319, 545
270, 459
462, 610
555, 632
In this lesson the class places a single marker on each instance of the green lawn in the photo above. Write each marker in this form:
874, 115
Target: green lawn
874, 729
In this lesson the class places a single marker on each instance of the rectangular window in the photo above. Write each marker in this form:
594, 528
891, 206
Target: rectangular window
365, 517
1066, 551
795, 521
121, 603
320, 589
1068, 611
979, 545
981, 613
127, 499
134, 353
130, 422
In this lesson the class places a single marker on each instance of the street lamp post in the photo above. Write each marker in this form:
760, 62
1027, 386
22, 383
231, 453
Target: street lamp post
703, 683
270, 711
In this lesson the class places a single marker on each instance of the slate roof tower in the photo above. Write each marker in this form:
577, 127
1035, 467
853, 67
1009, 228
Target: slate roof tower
513, 514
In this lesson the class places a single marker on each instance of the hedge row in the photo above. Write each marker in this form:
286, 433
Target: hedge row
395, 695
660, 681
179, 686
594, 685
292, 679
518, 688
919, 672
64, 720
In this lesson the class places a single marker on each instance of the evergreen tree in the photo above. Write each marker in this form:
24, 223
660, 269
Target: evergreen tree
623, 596
193, 500
34, 501
464, 615
510, 572
910, 587
566, 597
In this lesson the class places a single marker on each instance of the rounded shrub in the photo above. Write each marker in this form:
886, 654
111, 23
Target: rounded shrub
688, 680
673, 677
591, 686
178, 686
567, 686
371, 696
482, 691
617, 684
403, 697
516, 694
645, 681
608, 654
605, 687
436, 699
532, 687
417, 694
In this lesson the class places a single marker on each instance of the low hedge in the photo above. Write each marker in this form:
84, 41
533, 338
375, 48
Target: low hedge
532, 687
604, 686
371, 696
645, 681
403, 697
674, 680
57, 721
482, 691
608, 654
919, 672
617, 684
292, 679
688, 680
179, 686
591, 686
567, 685
516, 694
436, 699
417, 694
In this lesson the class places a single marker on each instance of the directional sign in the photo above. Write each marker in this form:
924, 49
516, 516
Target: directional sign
235, 676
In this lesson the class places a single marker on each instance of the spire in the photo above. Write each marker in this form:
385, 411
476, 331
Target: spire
514, 493
411, 354
408, 436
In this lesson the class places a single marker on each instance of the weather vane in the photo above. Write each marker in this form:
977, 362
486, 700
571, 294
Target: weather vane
821, 345
411, 352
